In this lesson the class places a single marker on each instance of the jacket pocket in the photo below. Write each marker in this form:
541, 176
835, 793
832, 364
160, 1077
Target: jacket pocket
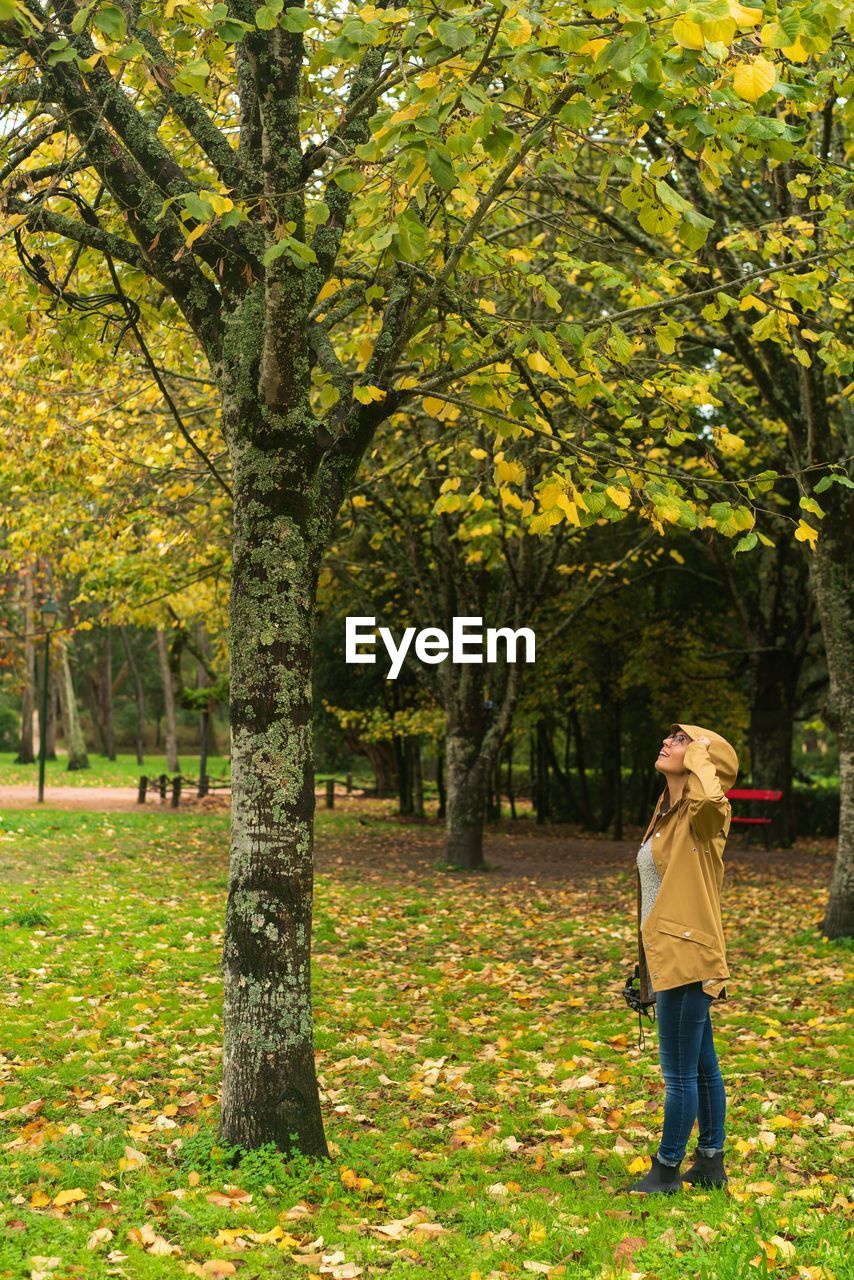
688, 931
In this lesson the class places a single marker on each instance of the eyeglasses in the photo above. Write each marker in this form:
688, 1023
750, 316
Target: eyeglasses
677, 739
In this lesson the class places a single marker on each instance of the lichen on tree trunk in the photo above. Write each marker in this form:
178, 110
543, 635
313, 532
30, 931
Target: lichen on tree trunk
269, 1082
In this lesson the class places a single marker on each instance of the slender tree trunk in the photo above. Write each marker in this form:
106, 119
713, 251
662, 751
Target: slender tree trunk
72, 731
106, 691
404, 785
772, 712
833, 574
417, 777
168, 704
52, 707
204, 643
26, 751
511, 794
269, 1085
139, 692
93, 704
543, 805
440, 783
583, 791
618, 771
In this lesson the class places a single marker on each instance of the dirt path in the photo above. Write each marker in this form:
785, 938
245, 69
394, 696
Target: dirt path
374, 847
116, 799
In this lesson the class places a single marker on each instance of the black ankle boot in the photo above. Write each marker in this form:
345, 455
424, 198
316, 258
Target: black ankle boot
662, 1178
707, 1171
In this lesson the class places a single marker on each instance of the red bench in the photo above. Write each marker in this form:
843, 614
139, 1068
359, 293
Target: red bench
766, 797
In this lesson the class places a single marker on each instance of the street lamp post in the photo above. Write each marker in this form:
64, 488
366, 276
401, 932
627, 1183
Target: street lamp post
50, 614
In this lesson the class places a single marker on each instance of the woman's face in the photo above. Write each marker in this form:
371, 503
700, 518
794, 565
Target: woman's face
672, 753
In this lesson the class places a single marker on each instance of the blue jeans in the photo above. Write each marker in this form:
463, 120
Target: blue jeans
694, 1089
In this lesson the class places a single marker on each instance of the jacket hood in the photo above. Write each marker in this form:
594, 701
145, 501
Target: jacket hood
721, 753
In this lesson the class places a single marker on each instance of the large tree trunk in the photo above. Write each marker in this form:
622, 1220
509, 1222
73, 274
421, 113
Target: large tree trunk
72, 732
466, 797
26, 752
168, 704
833, 573
269, 1086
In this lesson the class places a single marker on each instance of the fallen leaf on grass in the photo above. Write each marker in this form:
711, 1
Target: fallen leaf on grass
68, 1197
132, 1159
101, 1235
213, 1267
229, 1198
627, 1248
148, 1239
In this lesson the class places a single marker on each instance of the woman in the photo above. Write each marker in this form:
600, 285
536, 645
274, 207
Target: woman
681, 949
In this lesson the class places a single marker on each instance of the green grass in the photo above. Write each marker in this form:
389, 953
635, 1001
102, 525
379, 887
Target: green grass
121, 772
479, 1070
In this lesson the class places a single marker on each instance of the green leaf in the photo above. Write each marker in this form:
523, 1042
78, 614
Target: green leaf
578, 114
301, 255
412, 239
833, 477
78, 22
192, 78
129, 51
349, 179
317, 213
442, 170
268, 15
110, 20
455, 35
60, 51
297, 19
747, 543
810, 504
232, 30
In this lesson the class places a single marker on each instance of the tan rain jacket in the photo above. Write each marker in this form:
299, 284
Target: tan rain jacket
682, 938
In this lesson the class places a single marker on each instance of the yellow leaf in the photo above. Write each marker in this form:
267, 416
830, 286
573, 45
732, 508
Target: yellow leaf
719, 30
195, 233
519, 31
487, 305
638, 1164
594, 47
509, 472
68, 1197
688, 34
796, 52
438, 408
751, 79
620, 497
478, 454
745, 15
806, 533
367, 394
538, 362
39, 1199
